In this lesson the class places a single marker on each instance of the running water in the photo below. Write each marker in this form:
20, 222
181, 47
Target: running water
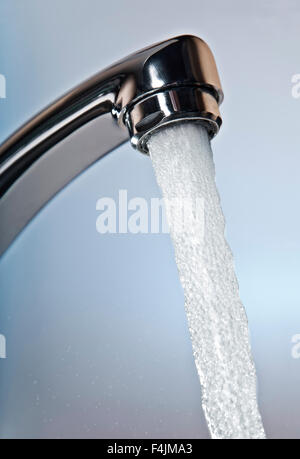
184, 167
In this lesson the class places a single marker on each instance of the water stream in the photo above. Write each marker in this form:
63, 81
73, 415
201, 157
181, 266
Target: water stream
184, 168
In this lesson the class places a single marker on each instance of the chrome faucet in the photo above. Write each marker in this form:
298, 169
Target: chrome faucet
174, 80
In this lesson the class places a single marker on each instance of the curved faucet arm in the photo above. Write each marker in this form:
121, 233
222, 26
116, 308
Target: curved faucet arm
44, 131
174, 80
128, 91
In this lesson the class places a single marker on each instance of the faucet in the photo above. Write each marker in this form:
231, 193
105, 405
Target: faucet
172, 81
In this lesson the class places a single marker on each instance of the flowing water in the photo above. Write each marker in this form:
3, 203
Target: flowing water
184, 168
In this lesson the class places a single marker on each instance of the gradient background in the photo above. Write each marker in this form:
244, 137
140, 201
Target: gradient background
97, 341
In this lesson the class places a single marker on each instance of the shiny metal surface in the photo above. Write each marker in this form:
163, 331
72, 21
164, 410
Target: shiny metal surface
171, 81
183, 103
63, 161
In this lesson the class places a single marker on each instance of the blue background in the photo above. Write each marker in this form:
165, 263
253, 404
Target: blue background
110, 308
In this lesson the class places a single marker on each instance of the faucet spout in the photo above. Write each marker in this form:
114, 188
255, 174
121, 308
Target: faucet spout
171, 81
